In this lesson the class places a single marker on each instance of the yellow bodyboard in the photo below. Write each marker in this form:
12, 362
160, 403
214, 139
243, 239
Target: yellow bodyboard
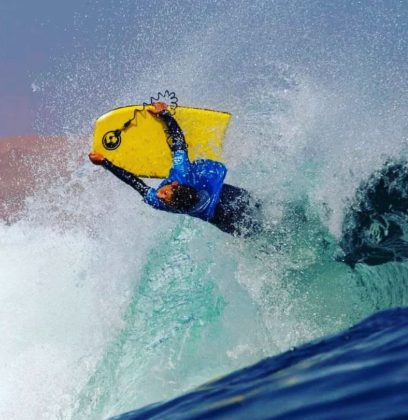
140, 146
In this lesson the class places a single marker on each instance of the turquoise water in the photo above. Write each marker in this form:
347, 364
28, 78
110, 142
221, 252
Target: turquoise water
185, 325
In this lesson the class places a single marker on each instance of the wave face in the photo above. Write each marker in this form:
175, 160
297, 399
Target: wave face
362, 371
108, 305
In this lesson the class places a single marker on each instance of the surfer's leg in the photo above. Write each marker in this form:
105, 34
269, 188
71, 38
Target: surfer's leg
238, 212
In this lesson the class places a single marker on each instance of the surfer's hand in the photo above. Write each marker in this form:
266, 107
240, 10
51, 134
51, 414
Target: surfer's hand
96, 158
158, 107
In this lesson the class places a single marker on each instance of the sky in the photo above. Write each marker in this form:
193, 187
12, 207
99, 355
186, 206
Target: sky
37, 39
32, 36
37, 36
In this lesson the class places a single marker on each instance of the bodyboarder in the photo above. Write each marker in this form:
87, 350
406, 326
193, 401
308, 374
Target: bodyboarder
194, 188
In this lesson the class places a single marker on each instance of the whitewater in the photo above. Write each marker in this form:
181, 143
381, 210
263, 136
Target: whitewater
108, 305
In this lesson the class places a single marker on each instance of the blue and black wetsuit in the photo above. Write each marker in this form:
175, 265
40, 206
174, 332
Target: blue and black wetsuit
231, 209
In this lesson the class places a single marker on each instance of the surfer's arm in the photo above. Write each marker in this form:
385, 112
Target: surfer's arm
175, 138
130, 179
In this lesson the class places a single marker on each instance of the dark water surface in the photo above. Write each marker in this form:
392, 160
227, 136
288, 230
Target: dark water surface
359, 373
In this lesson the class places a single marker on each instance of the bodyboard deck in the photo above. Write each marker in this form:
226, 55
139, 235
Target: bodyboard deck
140, 146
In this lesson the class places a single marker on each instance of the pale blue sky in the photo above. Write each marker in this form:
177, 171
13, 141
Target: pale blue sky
31, 33
37, 39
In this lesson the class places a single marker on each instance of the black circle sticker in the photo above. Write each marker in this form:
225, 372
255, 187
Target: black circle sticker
111, 140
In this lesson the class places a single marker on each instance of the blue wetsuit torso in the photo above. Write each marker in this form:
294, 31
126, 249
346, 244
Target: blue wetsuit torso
205, 176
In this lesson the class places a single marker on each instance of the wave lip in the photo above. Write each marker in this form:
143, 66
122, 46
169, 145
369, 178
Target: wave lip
362, 372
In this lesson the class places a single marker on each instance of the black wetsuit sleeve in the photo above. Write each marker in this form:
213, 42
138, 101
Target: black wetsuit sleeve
175, 136
130, 179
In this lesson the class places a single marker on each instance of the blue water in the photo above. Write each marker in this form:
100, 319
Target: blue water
108, 306
359, 373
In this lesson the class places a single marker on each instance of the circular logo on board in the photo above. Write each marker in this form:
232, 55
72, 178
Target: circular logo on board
111, 140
